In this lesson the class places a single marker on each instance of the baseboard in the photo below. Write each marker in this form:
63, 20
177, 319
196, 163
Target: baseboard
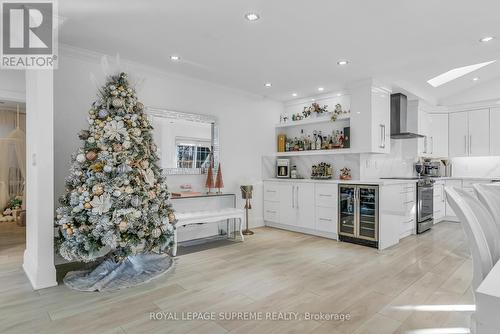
450, 219
304, 230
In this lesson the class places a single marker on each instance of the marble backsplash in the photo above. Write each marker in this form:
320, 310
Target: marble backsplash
304, 164
476, 166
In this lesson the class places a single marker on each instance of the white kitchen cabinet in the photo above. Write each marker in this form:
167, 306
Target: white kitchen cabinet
439, 202
304, 205
495, 131
326, 202
370, 118
458, 134
438, 140
479, 132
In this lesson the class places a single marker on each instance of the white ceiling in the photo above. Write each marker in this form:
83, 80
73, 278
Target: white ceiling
296, 44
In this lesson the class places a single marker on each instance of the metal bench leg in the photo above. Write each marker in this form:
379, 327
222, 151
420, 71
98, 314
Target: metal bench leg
241, 230
174, 247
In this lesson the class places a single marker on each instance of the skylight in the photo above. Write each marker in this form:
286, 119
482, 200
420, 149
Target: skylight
456, 73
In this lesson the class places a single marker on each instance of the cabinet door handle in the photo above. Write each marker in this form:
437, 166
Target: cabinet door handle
470, 144
324, 195
271, 191
293, 196
325, 219
465, 141
432, 145
382, 136
297, 198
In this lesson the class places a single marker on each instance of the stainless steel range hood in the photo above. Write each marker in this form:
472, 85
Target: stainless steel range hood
399, 118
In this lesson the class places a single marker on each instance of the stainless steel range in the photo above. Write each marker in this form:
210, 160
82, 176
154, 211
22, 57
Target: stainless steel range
425, 201
425, 204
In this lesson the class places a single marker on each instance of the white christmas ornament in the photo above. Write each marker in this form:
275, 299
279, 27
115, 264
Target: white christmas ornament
101, 204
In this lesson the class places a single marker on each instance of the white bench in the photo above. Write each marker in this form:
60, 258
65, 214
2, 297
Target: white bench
206, 217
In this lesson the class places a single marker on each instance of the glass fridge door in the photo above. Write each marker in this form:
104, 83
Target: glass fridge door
347, 210
368, 213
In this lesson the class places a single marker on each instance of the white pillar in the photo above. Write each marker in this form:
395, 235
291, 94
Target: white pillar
39, 255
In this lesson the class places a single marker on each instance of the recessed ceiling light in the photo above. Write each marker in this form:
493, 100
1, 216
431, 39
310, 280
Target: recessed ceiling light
486, 39
342, 62
175, 58
294, 94
268, 84
475, 79
456, 73
321, 89
338, 94
252, 16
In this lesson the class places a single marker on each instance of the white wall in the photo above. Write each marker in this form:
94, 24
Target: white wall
12, 85
245, 121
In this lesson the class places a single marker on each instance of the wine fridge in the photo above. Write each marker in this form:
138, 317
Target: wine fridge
358, 214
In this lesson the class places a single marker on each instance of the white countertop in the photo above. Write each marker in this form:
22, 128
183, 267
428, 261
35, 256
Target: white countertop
379, 182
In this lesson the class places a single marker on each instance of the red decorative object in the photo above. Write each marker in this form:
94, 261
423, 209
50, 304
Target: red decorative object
218, 179
210, 179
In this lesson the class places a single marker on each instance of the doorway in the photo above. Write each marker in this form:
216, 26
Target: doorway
12, 182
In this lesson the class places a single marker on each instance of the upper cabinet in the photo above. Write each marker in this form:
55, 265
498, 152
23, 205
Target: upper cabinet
438, 140
479, 132
469, 133
458, 134
494, 131
370, 118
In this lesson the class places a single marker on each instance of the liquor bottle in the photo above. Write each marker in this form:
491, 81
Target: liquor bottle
319, 141
287, 145
341, 139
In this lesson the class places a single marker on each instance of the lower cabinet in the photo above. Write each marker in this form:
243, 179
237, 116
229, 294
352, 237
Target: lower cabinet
301, 206
439, 202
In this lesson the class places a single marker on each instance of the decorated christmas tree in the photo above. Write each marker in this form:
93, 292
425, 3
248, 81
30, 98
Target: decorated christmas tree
116, 200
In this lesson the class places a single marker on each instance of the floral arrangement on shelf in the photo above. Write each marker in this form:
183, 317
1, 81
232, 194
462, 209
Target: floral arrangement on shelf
345, 174
313, 109
338, 111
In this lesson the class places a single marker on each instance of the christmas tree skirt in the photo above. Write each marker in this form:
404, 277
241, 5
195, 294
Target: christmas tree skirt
111, 275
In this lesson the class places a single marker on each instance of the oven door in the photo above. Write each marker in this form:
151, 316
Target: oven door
425, 203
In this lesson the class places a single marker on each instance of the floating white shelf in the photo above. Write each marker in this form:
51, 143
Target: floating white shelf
313, 120
315, 152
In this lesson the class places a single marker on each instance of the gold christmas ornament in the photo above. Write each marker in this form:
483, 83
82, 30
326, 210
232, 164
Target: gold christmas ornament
69, 231
171, 217
98, 167
87, 205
